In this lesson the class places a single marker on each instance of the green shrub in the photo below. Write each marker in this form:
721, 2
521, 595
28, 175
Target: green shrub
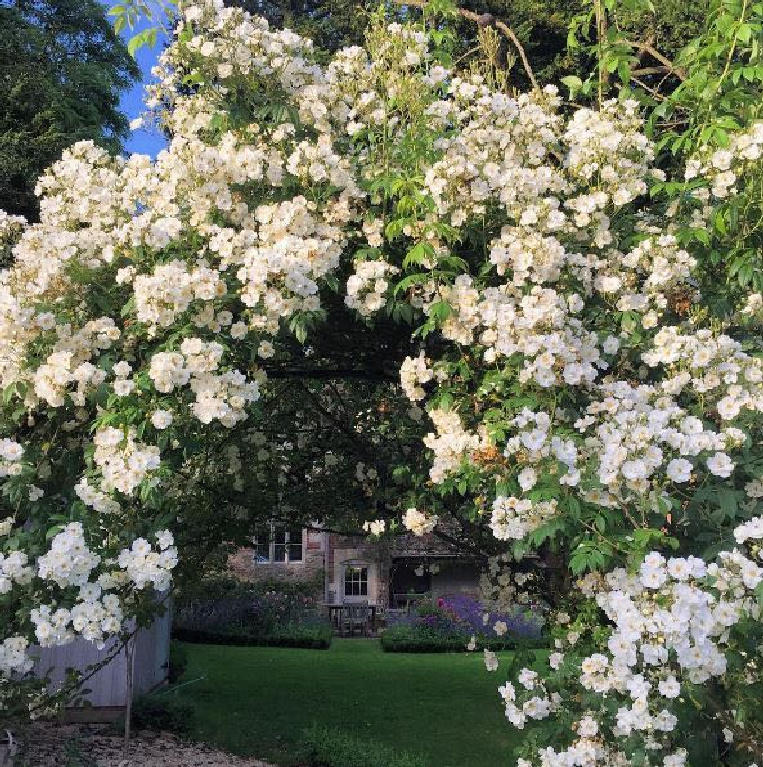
178, 662
268, 611
219, 587
405, 638
332, 748
160, 711
310, 637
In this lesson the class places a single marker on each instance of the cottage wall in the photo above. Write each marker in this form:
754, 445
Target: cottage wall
242, 564
356, 549
325, 554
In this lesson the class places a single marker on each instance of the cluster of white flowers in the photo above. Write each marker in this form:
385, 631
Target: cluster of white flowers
714, 366
413, 373
69, 362
375, 527
516, 517
168, 292
224, 397
418, 522
13, 568
451, 444
168, 371
124, 462
145, 566
641, 431
538, 449
367, 287
69, 562
14, 658
10, 457
96, 617
294, 249
95, 498
219, 396
671, 624
722, 168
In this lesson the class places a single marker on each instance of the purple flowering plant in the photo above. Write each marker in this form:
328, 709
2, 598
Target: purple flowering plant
462, 616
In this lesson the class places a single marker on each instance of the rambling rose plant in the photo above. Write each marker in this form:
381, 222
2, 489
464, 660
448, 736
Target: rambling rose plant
582, 399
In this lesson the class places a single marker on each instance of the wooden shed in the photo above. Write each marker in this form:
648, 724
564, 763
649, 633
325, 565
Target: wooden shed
108, 687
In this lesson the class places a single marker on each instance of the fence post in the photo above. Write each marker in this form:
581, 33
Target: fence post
129, 671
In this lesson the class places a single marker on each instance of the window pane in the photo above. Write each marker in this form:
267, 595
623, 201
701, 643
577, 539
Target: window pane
279, 552
356, 581
295, 544
261, 550
279, 535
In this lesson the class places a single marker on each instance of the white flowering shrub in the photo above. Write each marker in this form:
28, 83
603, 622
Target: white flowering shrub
579, 397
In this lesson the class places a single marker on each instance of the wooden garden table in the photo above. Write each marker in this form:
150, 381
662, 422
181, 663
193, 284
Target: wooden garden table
336, 609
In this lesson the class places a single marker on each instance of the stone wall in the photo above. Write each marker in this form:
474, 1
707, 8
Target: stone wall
311, 569
360, 550
325, 554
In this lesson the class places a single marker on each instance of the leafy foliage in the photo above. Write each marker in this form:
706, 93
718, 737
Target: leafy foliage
62, 68
333, 748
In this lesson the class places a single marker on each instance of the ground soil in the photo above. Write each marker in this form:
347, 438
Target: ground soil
74, 745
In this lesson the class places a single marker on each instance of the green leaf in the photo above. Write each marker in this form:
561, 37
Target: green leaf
574, 83
440, 311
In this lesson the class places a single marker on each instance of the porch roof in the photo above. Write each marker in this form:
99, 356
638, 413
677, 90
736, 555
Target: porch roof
424, 547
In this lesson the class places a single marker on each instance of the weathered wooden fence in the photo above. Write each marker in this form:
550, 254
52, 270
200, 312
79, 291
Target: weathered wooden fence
108, 686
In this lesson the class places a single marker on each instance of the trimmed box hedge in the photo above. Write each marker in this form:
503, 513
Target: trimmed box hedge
393, 641
304, 638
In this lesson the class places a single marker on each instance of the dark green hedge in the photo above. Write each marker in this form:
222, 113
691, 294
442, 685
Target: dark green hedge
391, 642
311, 639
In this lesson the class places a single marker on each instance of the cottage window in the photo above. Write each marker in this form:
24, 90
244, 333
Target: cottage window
279, 545
355, 581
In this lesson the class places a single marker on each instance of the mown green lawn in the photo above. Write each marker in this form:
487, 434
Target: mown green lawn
257, 701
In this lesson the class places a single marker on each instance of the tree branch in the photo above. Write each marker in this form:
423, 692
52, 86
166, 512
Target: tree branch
655, 54
328, 374
487, 20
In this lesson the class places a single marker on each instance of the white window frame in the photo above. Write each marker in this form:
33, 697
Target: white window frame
357, 566
288, 543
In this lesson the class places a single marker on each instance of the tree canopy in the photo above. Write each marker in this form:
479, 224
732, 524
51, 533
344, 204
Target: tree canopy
62, 68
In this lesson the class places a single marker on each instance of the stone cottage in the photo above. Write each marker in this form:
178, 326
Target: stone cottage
354, 568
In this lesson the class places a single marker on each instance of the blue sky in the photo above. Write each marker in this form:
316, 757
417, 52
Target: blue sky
142, 141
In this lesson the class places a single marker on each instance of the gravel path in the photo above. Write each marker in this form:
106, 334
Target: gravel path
49, 745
